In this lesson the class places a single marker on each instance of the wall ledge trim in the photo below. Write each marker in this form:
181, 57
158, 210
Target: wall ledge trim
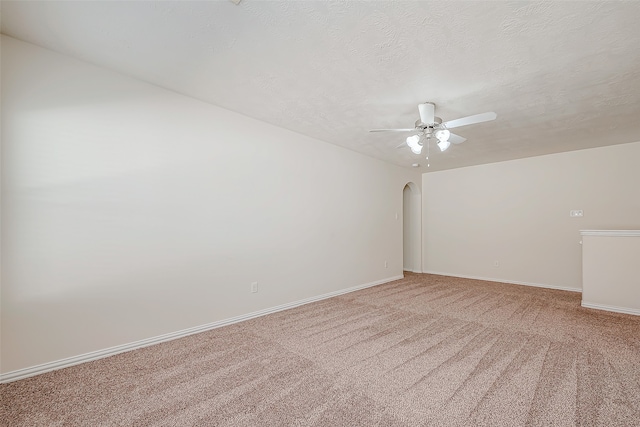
612, 308
617, 233
512, 282
101, 354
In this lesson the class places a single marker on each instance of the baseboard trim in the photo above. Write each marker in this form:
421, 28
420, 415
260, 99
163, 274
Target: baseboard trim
613, 308
101, 354
513, 282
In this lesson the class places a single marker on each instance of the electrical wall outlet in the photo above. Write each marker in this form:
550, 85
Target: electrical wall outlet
576, 213
254, 287
386, 264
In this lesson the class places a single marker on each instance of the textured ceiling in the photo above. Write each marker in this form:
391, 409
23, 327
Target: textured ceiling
560, 75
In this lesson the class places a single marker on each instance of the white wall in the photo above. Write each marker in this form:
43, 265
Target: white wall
517, 213
129, 211
611, 271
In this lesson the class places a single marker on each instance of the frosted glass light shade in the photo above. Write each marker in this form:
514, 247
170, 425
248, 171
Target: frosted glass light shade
413, 140
443, 135
443, 145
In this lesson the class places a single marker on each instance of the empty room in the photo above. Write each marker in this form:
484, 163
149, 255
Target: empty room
320, 213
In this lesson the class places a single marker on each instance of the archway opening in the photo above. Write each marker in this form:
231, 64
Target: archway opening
411, 228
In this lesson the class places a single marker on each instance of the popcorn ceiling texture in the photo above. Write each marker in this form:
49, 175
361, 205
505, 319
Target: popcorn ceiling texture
560, 75
424, 350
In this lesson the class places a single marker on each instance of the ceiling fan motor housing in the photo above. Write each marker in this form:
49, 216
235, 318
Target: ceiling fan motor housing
429, 128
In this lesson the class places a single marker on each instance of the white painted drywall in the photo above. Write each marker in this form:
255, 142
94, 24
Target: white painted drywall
129, 211
611, 270
517, 213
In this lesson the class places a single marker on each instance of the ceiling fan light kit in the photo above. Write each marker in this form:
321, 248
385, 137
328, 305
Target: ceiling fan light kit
415, 144
443, 145
443, 135
430, 126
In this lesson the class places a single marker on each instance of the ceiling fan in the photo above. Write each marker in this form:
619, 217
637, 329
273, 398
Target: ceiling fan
429, 126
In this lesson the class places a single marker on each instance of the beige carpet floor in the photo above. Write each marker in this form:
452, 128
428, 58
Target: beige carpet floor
422, 351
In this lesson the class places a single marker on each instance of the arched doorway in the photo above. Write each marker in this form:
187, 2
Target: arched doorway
411, 228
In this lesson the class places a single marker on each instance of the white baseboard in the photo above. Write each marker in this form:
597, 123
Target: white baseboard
513, 282
100, 354
625, 310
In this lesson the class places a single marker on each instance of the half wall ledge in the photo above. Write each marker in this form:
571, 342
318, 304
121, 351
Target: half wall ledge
611, 270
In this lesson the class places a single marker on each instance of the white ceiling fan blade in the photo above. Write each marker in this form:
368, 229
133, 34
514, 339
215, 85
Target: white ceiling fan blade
456, 139
470, 120
393, 130
427, 112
